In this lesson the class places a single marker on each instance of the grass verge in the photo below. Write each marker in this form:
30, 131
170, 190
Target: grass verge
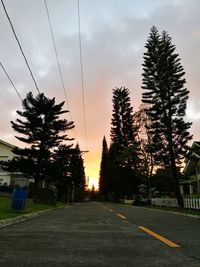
7, 212
174, 209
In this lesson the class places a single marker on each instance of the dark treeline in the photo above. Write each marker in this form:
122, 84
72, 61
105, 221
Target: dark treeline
49, 157
147, 147
153, 138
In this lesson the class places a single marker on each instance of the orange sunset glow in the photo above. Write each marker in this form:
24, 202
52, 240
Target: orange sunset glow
93, 182
92, 165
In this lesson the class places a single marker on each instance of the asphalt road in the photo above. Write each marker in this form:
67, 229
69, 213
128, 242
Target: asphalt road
102, 234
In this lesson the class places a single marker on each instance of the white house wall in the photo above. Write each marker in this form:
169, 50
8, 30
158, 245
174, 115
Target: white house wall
5, 179
5, 154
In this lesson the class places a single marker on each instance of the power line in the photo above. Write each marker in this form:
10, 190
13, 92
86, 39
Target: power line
11, 81
58, 63
81, 69
20, 47
56, 54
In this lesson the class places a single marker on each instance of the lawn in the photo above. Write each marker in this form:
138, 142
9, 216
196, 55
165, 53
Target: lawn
186, 211
7, 212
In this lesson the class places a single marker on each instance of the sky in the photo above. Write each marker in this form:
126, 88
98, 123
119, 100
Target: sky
113, 35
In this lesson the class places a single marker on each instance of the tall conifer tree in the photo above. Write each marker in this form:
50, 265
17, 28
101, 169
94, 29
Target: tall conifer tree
122, 129
61, 171
69, 173
40, 128
124, 141
103, 175
77, 169
165, 92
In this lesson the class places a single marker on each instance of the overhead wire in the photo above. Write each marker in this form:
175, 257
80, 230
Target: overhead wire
58, 62
59, 67
20, 47
56, 54
82, 74
10, 81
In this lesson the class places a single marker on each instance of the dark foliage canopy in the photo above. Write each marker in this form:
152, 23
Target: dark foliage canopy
123, 130
68, 169
166, 95
103, 175
164, 91
123, 156
40, 128
77, 168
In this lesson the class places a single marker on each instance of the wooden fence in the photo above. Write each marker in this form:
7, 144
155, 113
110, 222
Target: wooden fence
189, 203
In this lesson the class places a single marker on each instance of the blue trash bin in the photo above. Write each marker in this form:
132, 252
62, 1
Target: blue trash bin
19, 198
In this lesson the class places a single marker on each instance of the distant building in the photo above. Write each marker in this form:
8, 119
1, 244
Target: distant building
8, 178
191, 184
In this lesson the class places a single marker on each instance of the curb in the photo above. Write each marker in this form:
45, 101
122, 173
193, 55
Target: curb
173, 212
24, 217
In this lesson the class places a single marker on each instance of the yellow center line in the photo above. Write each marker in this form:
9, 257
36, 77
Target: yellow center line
161, 238
121, 216
110, 210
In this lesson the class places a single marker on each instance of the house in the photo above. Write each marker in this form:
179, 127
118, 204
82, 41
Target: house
191, 184
7, 178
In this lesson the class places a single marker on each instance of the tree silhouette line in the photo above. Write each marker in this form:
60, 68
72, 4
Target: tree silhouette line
153, 138
48, 158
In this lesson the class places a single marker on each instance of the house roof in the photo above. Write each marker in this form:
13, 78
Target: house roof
6, 144
190, 167
194, 157
196, 143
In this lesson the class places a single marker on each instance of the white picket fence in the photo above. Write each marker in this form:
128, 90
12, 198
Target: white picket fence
192, 203
189, 203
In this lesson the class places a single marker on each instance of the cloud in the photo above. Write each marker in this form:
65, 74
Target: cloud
193, 111
113, 36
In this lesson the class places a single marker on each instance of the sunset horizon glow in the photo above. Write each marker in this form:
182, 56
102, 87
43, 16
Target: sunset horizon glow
93, 181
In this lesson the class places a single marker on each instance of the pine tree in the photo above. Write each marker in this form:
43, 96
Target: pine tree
77, 169
123, 131
124, 141
68, 170
103, 175
163, 83
115, 179
61, 171
40, 129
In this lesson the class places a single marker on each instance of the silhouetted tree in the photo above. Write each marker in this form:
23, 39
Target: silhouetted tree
77, 169
125, 142
103, 175
163, 83
68, 169
40, 129
147, 163
114, 178
162, 181
61, 171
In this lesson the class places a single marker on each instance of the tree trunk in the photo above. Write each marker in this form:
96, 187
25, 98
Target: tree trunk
175, 176
177, 187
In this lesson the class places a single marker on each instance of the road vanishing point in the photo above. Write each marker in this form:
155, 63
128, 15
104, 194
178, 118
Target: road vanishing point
102, 234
